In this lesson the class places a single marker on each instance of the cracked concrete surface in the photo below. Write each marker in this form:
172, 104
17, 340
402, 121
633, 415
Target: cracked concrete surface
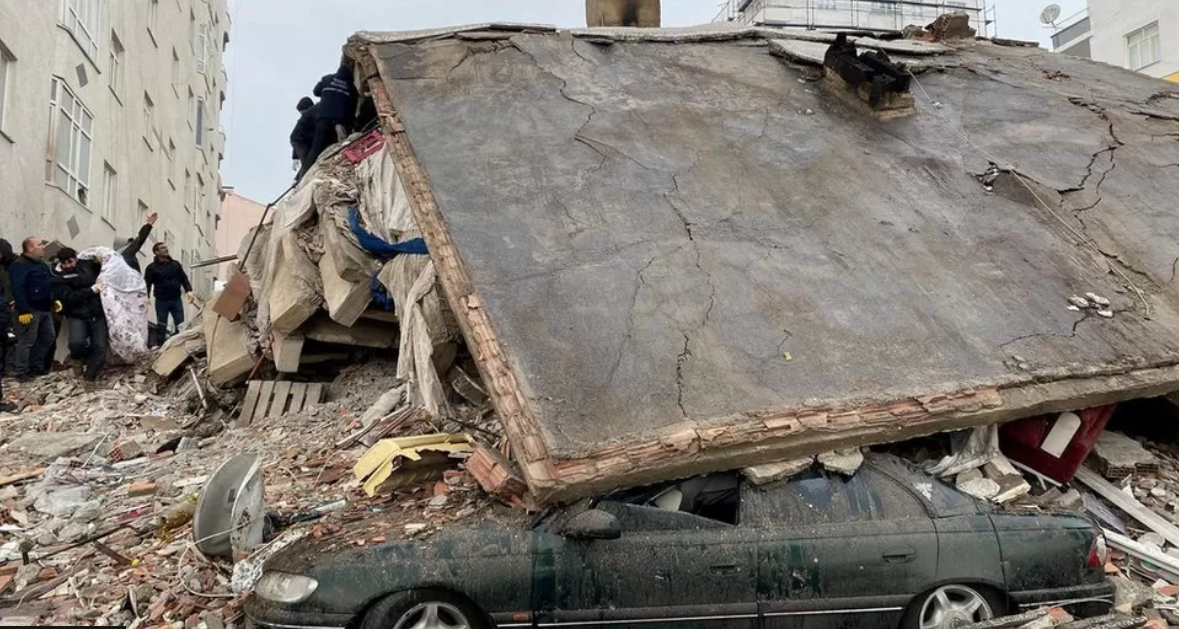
654, 228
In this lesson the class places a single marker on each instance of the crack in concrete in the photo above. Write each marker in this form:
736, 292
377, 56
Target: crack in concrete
1173, 269
679, 374
1085, 316
640, 282
578, 225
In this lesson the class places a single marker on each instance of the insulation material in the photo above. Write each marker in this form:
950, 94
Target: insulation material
124, 301
412, 282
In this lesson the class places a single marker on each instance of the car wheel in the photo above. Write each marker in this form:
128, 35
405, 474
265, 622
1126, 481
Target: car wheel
952, 606
424, 609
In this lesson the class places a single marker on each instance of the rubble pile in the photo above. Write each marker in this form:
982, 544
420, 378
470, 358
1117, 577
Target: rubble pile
98, 491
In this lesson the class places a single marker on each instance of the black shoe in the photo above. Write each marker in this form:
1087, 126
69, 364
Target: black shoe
5, 407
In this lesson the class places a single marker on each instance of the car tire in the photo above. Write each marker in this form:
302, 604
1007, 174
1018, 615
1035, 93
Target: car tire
415, 608
956, 602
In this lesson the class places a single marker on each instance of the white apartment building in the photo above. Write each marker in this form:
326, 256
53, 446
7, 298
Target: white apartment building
881, 15
109, 111
1140, 35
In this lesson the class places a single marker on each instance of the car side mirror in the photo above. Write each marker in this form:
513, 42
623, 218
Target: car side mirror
592, 525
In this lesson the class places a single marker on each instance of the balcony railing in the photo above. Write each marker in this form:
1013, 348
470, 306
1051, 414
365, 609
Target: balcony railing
1070, 29
879, 15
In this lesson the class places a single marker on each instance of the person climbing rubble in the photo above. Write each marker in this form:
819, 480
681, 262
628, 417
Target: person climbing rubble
334, 114
303, 135
33, 294
168, 279
76, 286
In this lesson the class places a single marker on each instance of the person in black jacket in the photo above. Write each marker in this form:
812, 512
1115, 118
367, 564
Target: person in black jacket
130, 250
168, 279
76, 286
303, 135
337, 106
7, 339
33, 294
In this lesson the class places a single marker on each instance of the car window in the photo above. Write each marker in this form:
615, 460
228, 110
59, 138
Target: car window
941, 498
644, 518
715, 497
816, 498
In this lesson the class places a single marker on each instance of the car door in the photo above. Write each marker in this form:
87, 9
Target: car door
839, 552
669, 569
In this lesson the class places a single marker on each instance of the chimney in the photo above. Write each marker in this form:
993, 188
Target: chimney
640, 13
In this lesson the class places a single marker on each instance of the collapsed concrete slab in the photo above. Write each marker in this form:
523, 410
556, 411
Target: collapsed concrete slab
288, 352
296, 292
345, 300
228, 346
693, 261
363, 334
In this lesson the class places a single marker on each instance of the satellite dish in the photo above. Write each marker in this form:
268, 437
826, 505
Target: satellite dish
1050, 14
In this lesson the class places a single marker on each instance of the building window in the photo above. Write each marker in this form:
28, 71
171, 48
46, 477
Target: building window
153, 18
116, 67
171, 155
149, 120
187, 191
110, 193
202, 48
200, 122
70, 129
7, 64
1144, 46
81, 20
828, 5
176, 73
198, 196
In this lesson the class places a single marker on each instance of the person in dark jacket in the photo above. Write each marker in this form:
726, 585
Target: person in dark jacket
76, 286
7, 257
130, 250
169, 281
7, 338
33, 294
337, 106
303, 135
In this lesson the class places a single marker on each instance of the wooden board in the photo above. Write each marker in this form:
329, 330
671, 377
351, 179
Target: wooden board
264, 399
253, 393
314, 394
282, 391
298, 394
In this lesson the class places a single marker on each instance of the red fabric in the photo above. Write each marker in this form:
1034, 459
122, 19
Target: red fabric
372, 142
1020, 441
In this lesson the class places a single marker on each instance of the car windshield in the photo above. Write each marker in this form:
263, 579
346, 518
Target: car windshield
942, 499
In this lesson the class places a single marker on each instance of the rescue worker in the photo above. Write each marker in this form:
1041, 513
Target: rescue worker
303, 135
33, 294
337, 107
167, 278
76, 286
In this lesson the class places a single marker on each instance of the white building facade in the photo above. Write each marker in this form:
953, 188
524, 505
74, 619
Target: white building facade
110, 111
885, 15
1139, 35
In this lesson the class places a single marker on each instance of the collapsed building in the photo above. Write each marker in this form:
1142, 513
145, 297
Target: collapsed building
678, 251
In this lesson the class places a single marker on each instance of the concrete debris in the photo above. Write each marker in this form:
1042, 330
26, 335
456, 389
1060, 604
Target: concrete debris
774, 472
845, 462
981, 488
53, 445
495, 474
1117, 456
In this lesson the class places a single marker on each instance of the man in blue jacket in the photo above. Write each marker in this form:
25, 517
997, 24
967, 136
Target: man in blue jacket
33, 293
337, 106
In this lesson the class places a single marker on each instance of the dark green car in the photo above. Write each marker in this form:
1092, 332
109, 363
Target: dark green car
888, 547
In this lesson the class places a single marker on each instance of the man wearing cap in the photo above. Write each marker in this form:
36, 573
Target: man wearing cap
76, 286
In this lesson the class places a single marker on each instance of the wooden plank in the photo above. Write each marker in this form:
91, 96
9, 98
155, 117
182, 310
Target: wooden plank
16, 478
282, 391
264, 399
314, 394
253, 392
298, 394
1132, 507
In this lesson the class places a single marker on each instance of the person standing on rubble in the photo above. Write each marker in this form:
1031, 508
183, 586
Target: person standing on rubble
337, 108
131, 246
168, 278
303, 135
33, 293
76, 286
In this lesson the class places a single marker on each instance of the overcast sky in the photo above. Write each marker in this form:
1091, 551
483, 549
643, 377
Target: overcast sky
279, 48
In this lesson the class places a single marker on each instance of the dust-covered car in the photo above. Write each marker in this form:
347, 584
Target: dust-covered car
890, 546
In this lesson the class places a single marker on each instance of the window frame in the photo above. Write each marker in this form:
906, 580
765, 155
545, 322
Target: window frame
1147, 38
74, 16
77, 179
201, 52
199, 122
110, 194
7, 71
117, 65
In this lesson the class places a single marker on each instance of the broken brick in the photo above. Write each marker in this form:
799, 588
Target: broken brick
141, 489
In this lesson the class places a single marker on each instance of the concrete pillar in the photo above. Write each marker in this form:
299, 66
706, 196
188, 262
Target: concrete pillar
640, 13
